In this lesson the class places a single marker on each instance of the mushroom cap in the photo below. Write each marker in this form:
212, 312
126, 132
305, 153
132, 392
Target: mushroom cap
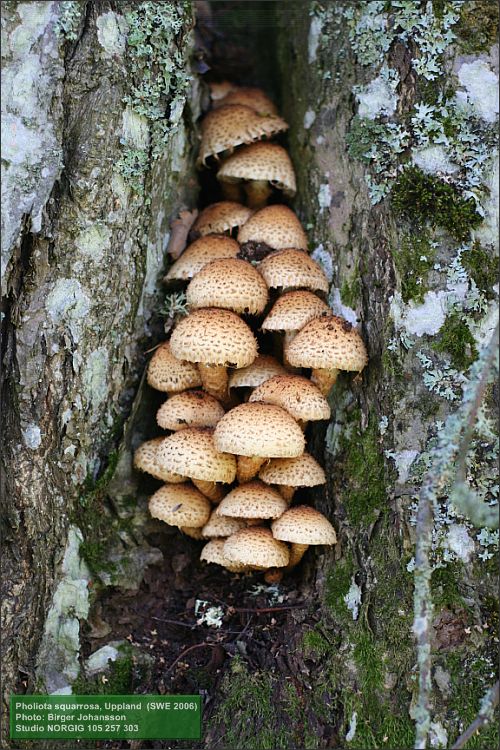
328, 342
261, 430
256, 546
262, 368
220, 89
225, 128
301, 398
168, 374
213, 552
253, 499
231, 283
293, 310
180, 505
221, 217
192, 453
293, 268
304, 525
200, 252
261, 161
214, 337
303, 471
219, 526
277, 226
189, 409
250, 97
145, 459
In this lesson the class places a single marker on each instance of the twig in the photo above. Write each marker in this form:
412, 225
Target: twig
488, 705
186, 651
264, 610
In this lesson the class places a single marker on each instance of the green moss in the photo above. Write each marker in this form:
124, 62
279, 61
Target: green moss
314, 643
350, 291
363, 486
445, 583
362, 134
338, 582
477, 28
456, 339
414, 258
427, 200
118, 678
482, 267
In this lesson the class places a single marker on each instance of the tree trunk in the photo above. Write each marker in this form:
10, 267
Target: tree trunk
411, 260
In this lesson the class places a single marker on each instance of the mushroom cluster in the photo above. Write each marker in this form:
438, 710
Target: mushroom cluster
235, 452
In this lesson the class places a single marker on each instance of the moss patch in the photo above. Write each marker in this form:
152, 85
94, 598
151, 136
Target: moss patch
362, 134
477, 27
456, 339
482, 267
414, 258
427, 200
117, 680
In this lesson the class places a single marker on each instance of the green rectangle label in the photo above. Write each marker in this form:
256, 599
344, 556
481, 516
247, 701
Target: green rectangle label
99, 717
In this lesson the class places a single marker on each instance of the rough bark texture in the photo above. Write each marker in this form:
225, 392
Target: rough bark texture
84, 243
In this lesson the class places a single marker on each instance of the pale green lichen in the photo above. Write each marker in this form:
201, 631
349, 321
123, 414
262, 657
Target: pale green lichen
68, 21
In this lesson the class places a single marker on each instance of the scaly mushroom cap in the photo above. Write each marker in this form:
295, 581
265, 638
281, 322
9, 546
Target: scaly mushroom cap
232, 125
146, 459
303, 471
250, 97
301, 398
220, 89
293, 310
168, 374
252, 500
276, 226
328, 342
259, 430
221, 217
262, 368
213, 552
304, 525
202, 251
219, 526
214, 337
180, 505
232, 283
260, 161
189, 409
192, 452
293, 268
256, 546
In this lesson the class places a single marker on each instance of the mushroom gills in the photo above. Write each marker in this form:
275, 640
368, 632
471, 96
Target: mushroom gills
324, 379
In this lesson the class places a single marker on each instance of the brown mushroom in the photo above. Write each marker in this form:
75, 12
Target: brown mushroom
328, 344
146, 459
213, 552
257, 548
293, 269
301, 398
233, 284
262, 368
215, 339
272, 228
221, 218
292, 311
251, 97
168, 374
290, 473
201, 252
189, 409
252, 500
302, 526
180, 505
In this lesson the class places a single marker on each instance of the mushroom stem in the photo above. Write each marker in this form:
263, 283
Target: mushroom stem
324, 379
212, 490
231, 191
258, 192
287, 492
215, 380
273, 575
287, 340
248, 467
194, 533
296, 554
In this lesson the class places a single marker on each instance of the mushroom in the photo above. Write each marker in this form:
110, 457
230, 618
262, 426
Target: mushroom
220, 89
221, 218
272, 228
302, 526
221, 526
259, 167
257, 548
262, 368
168, 374
233, 284
301, 398
253, 500
327, 344
213, 552
145, 459
216, 339
180, 505
292, 311
255, 432
233, 125
293, 269
250, 97
192, 453
200, 252
290, 473
189, 409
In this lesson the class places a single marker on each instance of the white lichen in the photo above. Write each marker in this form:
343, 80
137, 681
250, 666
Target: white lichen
459, 542
68, 304
353, 722
402, 460
353, 599
95, 378
325, 259
309, 119
338, 307
438, 735
481, 89
378, 97
94, 241
424, 319
112, 31
434, 160
32, 436
209, 615
324, 196
315, 30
